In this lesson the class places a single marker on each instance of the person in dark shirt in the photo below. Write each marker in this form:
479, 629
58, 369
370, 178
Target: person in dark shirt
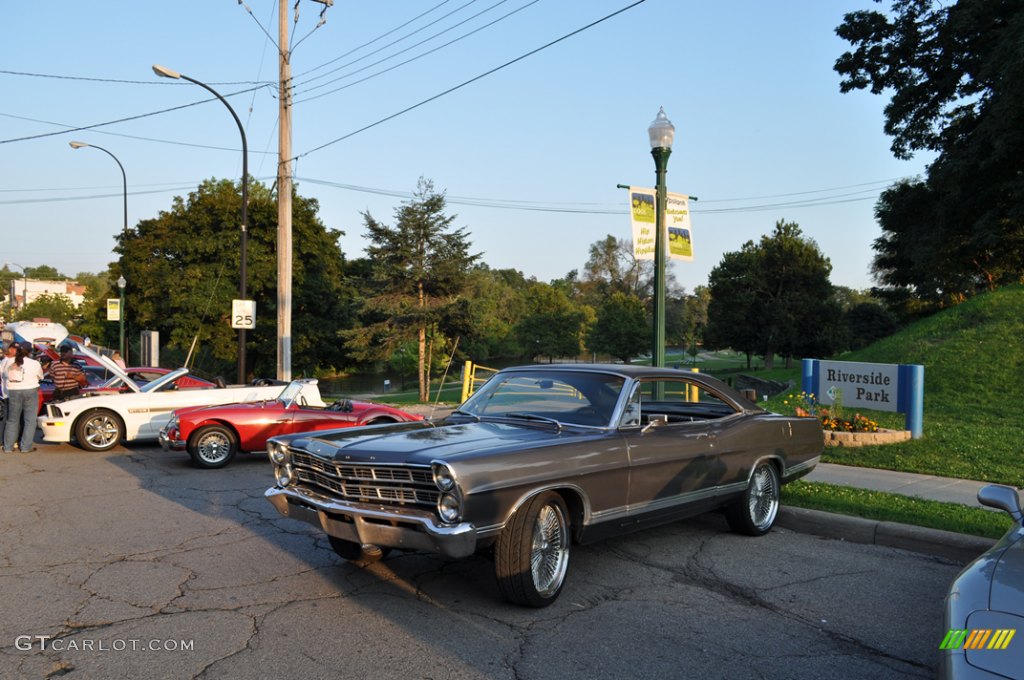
66, 376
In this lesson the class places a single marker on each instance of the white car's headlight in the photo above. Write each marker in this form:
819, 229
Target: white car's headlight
449, 507
277, 452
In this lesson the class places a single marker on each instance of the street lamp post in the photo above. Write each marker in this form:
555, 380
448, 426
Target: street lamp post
168, 73
24, 290
124, 180
661, 133
121, 283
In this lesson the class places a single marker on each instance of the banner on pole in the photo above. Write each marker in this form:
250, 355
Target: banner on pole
113, 309
642, 214
680, 232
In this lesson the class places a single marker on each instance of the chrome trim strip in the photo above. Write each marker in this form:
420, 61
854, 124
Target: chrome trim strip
802, 466
687, 497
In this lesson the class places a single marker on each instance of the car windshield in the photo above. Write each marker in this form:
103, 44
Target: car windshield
290, 393
568, 397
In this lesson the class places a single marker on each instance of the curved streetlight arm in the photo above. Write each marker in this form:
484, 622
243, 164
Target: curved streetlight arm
124, 176
165, 72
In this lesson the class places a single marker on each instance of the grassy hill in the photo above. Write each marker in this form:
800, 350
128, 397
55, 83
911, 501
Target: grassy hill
973, 356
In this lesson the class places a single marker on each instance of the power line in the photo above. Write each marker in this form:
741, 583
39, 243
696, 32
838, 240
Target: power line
471, 80
70, 128
120, 81
379, 37
121, 120
401, 51
412, 59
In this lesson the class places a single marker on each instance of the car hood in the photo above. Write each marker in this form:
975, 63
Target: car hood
241, 406
423, 441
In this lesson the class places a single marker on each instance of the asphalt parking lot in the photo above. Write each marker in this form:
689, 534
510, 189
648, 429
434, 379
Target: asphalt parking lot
132, 564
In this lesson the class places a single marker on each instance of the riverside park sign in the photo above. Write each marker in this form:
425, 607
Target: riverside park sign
882, 387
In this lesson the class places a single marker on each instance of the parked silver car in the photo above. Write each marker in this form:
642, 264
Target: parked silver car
985, 605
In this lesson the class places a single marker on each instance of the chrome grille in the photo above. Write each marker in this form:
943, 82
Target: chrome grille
397, 484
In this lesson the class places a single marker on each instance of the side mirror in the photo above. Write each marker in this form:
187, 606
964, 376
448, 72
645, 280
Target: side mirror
655, 420
1002, 498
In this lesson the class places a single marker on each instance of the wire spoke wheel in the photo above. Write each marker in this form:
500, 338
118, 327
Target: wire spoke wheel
754, 513
212, 446
549, 555
764, 499
531, 557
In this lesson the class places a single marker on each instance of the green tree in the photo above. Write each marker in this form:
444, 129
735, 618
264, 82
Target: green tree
621, 329
419, 270
52, 306
182, 271
44, 272
956, 77
497, 306
779, 294
553, 325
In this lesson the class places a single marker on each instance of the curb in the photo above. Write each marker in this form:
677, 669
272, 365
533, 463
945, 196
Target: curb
950, 545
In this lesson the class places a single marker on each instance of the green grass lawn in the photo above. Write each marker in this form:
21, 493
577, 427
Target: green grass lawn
890, 507
973, 356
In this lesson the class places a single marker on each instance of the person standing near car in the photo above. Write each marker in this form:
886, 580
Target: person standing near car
9, 353
67, 377
22, 376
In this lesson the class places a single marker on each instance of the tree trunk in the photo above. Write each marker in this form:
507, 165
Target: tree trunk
769, 359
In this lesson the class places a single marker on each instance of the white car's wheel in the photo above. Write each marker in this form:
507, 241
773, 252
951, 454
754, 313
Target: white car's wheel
99, 430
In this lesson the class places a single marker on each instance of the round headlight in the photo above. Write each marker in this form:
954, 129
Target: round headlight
285, 476
172, 424
443, 477
277, 452
449, 508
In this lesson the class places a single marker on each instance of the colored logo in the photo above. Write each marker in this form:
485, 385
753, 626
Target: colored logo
979, 638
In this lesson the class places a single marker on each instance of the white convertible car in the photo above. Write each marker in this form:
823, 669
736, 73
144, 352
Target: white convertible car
99, 421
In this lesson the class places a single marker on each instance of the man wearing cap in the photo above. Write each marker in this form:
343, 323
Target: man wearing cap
66, 376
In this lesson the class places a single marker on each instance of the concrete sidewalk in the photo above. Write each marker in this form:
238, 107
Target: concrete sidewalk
957, 547
933, 488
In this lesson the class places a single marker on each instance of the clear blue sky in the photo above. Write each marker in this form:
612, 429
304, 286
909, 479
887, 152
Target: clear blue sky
761, 128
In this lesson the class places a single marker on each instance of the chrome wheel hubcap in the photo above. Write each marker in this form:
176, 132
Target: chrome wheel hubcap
764, 497
213, 448
101, 432
549, 555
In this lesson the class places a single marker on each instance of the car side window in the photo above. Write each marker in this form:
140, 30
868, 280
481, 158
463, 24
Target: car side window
631, 414
680, 401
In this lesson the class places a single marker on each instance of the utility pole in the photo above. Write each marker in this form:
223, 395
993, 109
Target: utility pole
284, 202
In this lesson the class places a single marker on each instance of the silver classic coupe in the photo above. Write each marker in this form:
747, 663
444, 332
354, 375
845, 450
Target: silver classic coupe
539, 459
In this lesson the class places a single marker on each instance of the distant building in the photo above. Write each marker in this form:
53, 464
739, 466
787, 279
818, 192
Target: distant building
34, 288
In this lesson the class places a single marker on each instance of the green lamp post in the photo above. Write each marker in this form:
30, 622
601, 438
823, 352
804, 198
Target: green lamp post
661, 133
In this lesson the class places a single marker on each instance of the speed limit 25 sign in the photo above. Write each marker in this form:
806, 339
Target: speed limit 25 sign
243, 314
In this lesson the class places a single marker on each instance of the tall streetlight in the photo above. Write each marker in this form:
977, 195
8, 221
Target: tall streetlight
124, 179
24, 290
121, 283
661, 133
168, 73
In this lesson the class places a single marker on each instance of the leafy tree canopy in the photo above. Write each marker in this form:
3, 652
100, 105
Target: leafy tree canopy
956, 77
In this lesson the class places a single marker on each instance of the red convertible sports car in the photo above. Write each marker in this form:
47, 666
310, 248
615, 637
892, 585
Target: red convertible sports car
214, 434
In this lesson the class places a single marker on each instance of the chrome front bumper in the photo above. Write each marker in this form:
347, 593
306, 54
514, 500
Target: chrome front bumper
375, 524
170, 444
